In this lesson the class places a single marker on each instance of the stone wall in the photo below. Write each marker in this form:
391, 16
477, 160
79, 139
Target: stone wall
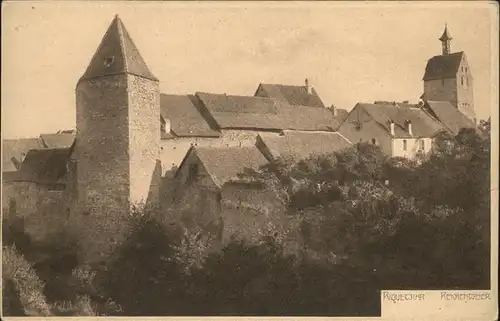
43, 210
441, 90
102, 143
465, 90
109, 113
144, 139
250, 212
174, 150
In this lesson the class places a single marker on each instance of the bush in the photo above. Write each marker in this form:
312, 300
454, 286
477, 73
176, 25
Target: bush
23, 291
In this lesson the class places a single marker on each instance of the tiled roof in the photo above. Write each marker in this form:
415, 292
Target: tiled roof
307, 118
423, 125
240, 111
63, 139
342, 114
117, 54
265, 113
443, 66
44, 165
224, 164
186, 119
14, 151
298, 145
450, 116
294, 95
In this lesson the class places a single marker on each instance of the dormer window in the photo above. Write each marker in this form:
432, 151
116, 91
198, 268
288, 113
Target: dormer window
164, 125
108, 61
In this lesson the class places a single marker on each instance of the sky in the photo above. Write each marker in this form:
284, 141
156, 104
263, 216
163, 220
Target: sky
350, 52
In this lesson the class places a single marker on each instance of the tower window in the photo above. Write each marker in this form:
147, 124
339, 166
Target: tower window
467, 81
108, 61
405, 145
442, 82
193, 172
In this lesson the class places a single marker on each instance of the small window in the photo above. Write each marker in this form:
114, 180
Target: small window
421, 145
442, 82
465, 69
374, 141
108, 61
462, 80
193, 171
405, 144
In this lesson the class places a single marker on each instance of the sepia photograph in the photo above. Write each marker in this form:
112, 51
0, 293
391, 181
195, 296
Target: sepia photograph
250, 159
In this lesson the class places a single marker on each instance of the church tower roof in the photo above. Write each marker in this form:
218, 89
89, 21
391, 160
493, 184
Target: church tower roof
446, 35
117, 54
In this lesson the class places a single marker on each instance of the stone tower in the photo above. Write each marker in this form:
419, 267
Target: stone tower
448, 78
118, 137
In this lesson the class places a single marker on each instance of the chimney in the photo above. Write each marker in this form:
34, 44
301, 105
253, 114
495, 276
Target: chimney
391, 123
408, 126
334, 110
308, 86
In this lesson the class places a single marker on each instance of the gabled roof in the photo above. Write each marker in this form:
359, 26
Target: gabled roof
423, 125
294, 95
14, 151
44, 166
186, 119
63, 139
117, 54
225, 163
297, 145
244, 112
241, 112
450, 116
443, 66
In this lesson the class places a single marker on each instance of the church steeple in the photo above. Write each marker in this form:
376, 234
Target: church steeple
117, 54
446, 41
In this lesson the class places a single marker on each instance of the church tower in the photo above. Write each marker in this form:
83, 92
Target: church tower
118, 135
446, 41
448, 78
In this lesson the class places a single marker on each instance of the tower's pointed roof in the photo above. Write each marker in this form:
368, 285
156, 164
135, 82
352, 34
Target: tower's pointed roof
117, 54
446, 35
